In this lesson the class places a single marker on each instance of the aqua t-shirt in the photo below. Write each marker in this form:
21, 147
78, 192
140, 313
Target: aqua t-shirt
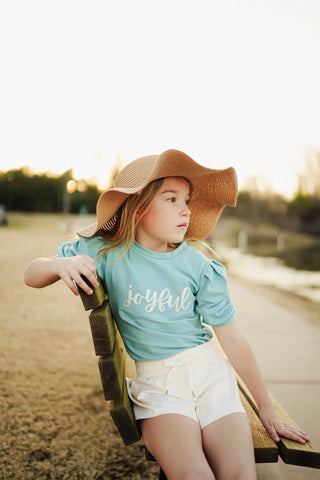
161, 302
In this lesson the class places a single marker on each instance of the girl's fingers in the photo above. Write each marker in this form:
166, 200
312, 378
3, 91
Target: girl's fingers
75, 269
91, 277
273, 433
293, 433
74, 283
275, 427
70, 284
90, 274
80, 282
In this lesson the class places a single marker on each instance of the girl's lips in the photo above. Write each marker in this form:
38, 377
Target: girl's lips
184, 225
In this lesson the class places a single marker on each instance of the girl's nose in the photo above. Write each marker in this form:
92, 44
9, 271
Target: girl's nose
186, 210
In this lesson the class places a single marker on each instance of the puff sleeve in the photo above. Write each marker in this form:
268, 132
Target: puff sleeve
213, 302
84, 246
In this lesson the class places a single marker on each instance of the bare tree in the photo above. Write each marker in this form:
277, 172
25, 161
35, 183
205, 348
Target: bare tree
116, 167
309, 177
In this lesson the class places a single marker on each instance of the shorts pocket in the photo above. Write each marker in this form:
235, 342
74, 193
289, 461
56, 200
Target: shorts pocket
142, 391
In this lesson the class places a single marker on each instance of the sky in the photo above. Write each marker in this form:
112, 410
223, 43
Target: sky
84, 84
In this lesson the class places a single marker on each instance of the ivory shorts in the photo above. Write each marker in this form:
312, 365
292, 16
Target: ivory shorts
199, 383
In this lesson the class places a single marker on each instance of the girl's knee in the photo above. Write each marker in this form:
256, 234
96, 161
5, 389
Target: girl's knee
244, 474
194, 474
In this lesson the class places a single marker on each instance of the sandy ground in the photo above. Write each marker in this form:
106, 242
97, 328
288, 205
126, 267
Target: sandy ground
53, 418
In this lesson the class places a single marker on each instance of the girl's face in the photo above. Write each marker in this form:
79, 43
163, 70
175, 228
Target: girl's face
167, 217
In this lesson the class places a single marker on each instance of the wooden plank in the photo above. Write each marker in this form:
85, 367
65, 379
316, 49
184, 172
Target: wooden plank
94, 300
265, 449
111, 369
122, 414
294, 453
102, 329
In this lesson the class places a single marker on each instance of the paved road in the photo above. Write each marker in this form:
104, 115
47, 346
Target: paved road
285, 336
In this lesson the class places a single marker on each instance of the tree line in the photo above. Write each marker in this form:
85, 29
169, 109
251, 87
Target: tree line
21, 191
300, 214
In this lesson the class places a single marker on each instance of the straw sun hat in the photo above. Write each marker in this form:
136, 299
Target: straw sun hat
212, 190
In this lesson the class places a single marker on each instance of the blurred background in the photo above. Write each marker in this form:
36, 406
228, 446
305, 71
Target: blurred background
87, 87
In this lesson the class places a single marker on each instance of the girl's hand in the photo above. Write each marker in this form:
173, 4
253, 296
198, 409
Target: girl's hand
70, 270
276, 427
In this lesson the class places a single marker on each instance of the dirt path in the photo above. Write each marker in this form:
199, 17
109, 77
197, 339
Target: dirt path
53, 418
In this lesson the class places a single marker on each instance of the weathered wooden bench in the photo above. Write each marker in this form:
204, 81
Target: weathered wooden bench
115, 365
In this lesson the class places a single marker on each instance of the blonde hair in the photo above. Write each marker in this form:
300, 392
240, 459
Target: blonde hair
124, 236
204, 247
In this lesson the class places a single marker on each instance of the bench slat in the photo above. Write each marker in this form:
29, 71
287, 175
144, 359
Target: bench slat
265, 449
291, 452
94, 300
122, 414
102, 329
306, 455
111, 369
114, 368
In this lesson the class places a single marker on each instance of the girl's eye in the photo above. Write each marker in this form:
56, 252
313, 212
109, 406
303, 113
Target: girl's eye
171, 199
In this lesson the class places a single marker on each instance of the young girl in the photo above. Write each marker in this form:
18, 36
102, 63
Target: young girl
167, 299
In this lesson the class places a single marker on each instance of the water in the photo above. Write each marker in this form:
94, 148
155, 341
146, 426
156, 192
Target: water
297, 270
302, 259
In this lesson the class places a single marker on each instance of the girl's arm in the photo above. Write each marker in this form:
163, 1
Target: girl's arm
45, 271
242, 359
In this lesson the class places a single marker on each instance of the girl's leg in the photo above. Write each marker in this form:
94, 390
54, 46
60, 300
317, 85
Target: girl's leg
175, 442
228, 446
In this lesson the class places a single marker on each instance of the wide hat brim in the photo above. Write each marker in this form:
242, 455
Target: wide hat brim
212, 190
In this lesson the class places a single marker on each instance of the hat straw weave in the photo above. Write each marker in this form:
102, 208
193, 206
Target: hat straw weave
212, 190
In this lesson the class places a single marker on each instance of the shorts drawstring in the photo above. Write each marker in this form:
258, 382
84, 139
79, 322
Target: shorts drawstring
173, 365
198, 383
